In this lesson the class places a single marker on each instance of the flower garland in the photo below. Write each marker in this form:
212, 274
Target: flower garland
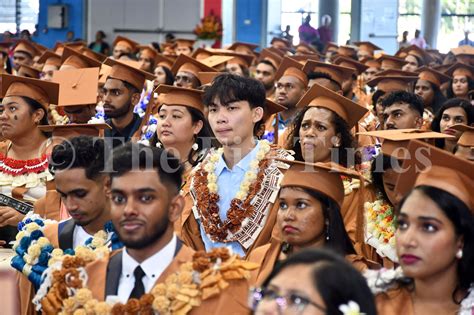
240, 209
383, 279
201, 279
99, 118
145, 97
149, 131
380, 228
351, 308
21, 167
467, 305
34, 252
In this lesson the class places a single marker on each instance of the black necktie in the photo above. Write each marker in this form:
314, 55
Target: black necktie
138, 288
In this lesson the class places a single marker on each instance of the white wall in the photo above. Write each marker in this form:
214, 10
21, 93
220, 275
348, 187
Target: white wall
169, 15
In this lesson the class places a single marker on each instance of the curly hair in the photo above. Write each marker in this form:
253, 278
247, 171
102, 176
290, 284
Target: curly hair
413, 100
340, 125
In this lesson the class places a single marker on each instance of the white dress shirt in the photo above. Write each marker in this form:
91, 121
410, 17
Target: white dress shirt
153, 268
80, 236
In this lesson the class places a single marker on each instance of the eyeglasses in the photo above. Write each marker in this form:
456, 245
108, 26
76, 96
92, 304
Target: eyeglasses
287, 86
287, 304
183, 78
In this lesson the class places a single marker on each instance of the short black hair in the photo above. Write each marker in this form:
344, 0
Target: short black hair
323, 75
229, 88
336, 281
136, 156
130, 87
79, 152
413, 100
376, 96
264, 61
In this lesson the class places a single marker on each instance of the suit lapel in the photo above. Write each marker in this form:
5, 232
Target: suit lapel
66, 234
114, 270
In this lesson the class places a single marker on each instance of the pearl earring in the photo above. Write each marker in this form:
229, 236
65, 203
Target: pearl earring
159, 145
459, 254
195, 147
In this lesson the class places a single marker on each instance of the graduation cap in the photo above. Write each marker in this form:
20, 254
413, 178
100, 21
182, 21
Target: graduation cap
325, 178
320, 96
93, 54
272, 57
350, 63
391, 62
69, 131
271, 108
305, 49
43, 92
461, 69
346, 50
280, 43
125, 72
418, 52
243, 48
397, 72
188, 64
77, 86
243, 60
76, 45
304, 58
290, 67
443, 171
173, 95
371, 63
215, 60
337, 73
331, 46
467, 137
464, 54
184, 42
126, 42
75, 59
28, 72
390, 83
368, 47
206, 78
163, 61
201, 53
433, 76
394, 140
148, 52
50, 58
103, 74
27, 47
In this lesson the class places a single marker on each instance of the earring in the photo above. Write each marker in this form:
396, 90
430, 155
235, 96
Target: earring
459, 253
326, 222
159, 145
195, 146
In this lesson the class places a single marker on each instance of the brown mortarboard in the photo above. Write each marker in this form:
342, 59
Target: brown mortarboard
103, 74
126, 42
397, 73
337, 73
304, 58
243, 48
285, 42
73, 58
290, 67
125, 72
215, 60
50, 58
390, 83
76, 45
464, 54
277, 51
461, 69
168, 49
201, 53
368, 47
320, 96
41, 48
207, 77
77, 86
391, 62
394, 140
164, 61
148, 52
371, 63
188, 64
467, 137
433, 76
240, 59
442, 68
331, 46
93, 54
350, 63
418, 52
173, 95
270, 56
58, 48
431, 166
272, 108
305, 49
28, 72
324, 178
346, 50
69, 131
401, 53
43, 92
184, 42
26, 47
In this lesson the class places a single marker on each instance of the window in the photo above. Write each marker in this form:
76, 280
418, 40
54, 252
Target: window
18, 14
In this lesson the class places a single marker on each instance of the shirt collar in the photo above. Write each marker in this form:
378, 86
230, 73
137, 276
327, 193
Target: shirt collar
243, 164
152, 265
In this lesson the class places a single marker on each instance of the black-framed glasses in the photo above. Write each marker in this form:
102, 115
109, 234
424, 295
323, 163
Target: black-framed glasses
291, 303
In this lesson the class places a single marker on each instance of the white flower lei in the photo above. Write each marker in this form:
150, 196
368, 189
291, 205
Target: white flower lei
249, 176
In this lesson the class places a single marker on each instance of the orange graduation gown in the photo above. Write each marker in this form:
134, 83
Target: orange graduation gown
394, 302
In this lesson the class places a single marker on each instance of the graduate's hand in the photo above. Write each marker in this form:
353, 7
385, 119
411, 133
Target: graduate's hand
9, 216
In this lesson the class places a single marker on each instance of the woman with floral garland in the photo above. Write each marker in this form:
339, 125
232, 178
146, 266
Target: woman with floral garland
308, 216
233, 190
321, 132
313, 282
23, 165
434, 238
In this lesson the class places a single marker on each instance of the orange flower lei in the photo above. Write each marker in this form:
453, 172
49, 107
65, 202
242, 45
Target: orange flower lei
239, 209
